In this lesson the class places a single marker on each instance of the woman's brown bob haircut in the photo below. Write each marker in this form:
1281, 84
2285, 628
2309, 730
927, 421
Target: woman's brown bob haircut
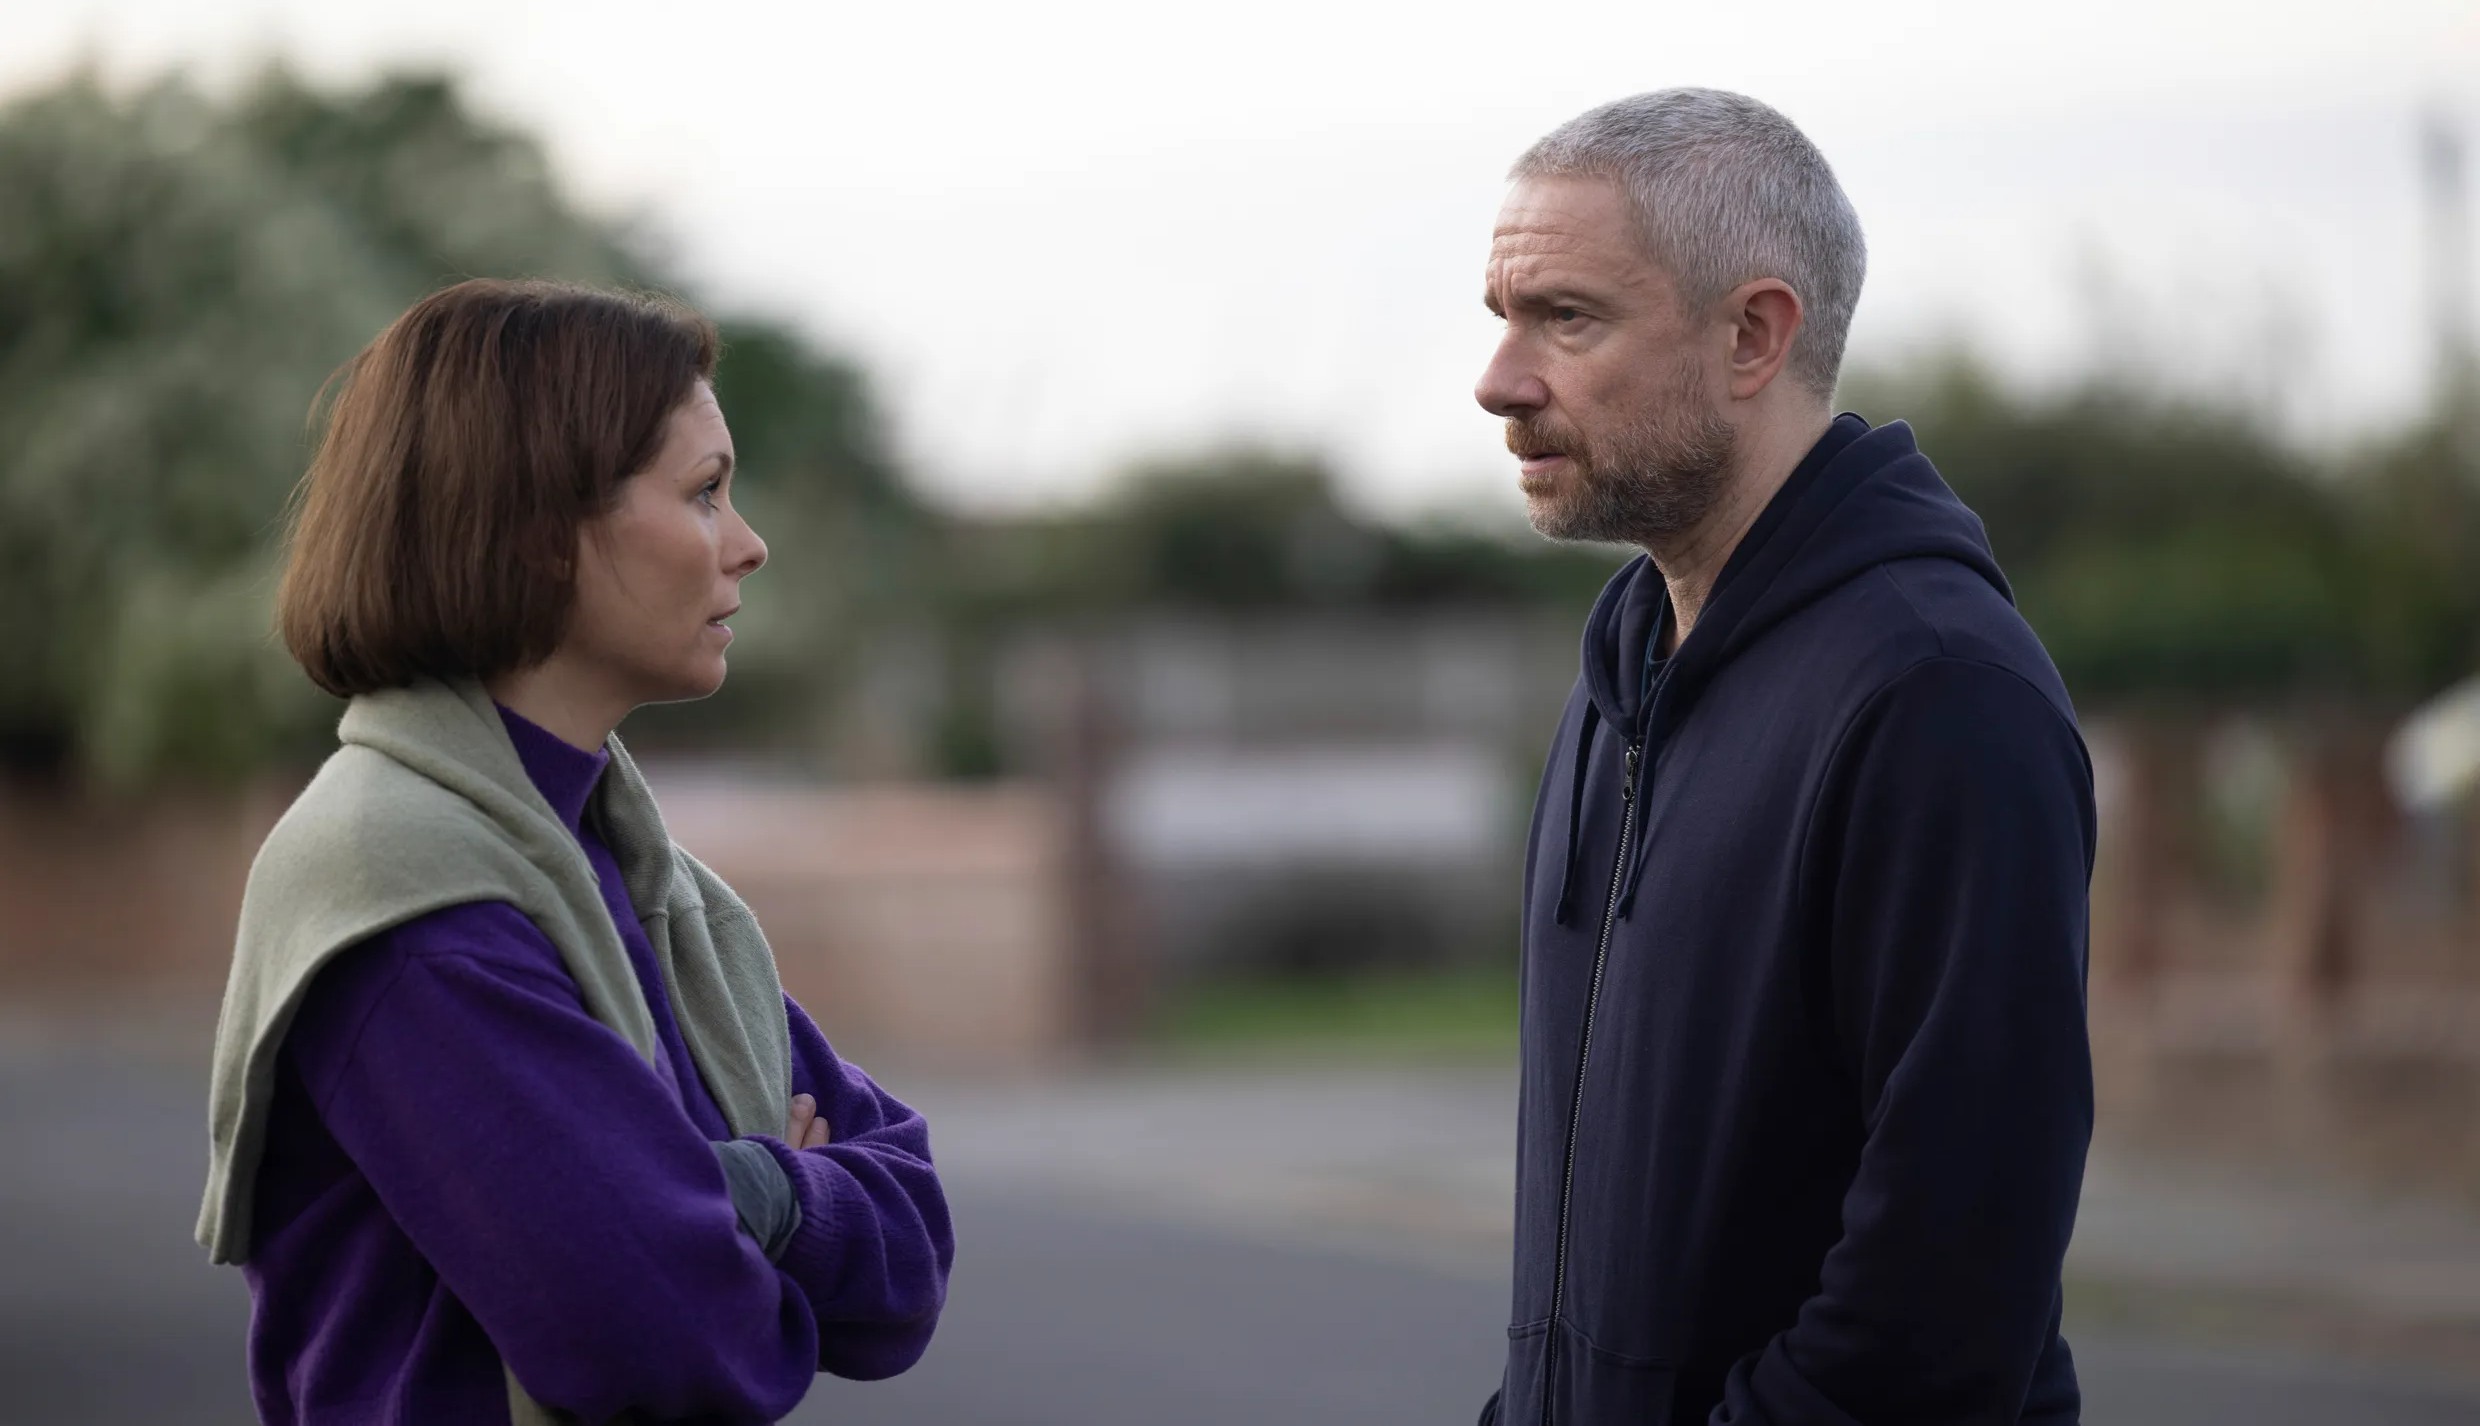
436, 531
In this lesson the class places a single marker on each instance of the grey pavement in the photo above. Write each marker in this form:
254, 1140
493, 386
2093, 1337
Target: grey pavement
1070, 1312
1418, 1164
1161, 1246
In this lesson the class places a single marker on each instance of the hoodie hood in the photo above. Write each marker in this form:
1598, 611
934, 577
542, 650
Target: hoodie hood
1861, 498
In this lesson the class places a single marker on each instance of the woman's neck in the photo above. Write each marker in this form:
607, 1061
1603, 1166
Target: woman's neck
564, 701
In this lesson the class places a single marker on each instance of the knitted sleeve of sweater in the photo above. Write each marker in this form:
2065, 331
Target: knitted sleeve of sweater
875, 1242
543, 1168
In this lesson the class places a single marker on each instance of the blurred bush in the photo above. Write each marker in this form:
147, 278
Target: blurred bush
2166, 549
1251, 529
179, 274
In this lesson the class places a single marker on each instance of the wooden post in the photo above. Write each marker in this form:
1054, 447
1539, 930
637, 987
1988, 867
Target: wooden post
2333, 822
2322, 856
2146, 853
1114, 970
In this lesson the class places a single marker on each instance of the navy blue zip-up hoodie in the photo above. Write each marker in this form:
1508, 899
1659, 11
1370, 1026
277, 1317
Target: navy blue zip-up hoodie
1806, 1083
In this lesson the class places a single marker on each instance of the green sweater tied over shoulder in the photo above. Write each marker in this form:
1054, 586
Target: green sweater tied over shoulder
426, 806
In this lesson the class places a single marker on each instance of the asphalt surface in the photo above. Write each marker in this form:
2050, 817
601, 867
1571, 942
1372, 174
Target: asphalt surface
1069, 1304
1064, 1317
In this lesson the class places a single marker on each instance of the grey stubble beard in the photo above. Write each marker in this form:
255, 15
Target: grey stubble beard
1652, 482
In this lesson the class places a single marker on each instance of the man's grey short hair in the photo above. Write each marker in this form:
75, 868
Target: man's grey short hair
1725, 190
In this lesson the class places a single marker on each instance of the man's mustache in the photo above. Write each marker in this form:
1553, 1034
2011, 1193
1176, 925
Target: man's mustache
1531, 438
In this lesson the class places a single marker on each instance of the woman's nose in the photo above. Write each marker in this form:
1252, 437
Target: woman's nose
748, 552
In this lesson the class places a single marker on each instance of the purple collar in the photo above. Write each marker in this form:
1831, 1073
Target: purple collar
563, 773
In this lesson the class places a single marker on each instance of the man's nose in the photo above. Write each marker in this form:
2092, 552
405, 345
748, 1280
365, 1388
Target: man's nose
1509, 386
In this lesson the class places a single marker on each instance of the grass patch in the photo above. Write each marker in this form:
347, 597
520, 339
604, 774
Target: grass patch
1438, 1014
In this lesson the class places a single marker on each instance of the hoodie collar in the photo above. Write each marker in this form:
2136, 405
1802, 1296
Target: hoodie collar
1860, 498
1635, 605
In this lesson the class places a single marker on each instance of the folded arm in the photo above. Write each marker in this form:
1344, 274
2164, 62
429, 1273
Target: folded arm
549, 1175
875, 1242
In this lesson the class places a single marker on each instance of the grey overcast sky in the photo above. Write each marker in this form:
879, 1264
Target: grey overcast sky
1064, 234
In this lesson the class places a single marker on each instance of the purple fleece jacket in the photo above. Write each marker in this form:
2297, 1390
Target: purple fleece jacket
463, 1166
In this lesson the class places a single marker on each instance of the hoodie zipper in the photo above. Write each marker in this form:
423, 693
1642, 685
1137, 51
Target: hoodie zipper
1584, 1057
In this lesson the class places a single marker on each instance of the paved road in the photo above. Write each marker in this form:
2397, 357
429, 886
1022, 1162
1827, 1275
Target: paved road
1067, 1317
1293, 1293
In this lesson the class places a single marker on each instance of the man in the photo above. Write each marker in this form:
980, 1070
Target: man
1806, 1084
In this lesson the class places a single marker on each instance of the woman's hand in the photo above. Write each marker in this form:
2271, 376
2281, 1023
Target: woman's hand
805, 1129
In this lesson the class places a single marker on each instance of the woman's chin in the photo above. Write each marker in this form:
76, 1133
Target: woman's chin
688, 685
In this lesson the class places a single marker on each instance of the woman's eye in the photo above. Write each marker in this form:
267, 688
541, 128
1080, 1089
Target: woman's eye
706, 493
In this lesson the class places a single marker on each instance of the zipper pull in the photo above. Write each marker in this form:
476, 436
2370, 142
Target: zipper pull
1627, 789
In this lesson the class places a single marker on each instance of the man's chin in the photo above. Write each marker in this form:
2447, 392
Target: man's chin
1551, 496
1555, 518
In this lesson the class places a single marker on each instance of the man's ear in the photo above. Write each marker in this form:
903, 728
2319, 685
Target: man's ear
1765, 317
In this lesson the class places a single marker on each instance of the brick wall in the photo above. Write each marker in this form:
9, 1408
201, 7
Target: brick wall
923, 923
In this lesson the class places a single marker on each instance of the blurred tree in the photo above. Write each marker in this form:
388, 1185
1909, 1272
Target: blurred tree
1251, 529
2169, 549
178, 276
430, 189
1241, 529
168, 305
2421, 494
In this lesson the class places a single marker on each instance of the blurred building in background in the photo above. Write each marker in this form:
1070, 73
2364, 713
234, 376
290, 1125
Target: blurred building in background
1315, 794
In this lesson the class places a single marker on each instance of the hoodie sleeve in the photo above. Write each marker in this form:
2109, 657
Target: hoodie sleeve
1951, 851
875, 1242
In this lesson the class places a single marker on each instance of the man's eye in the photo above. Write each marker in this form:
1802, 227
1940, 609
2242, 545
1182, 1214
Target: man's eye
1565, 315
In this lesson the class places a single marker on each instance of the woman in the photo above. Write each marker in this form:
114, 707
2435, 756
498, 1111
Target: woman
512, 1119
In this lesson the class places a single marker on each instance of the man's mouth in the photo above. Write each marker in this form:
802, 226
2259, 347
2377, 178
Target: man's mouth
1536, 458
1539, 462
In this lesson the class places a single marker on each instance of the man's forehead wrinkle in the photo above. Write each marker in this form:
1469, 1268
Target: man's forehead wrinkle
1538, 230
1565, 270
1564, 237
1531, 264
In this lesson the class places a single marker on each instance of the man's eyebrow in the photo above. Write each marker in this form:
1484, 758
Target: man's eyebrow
1542, 298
